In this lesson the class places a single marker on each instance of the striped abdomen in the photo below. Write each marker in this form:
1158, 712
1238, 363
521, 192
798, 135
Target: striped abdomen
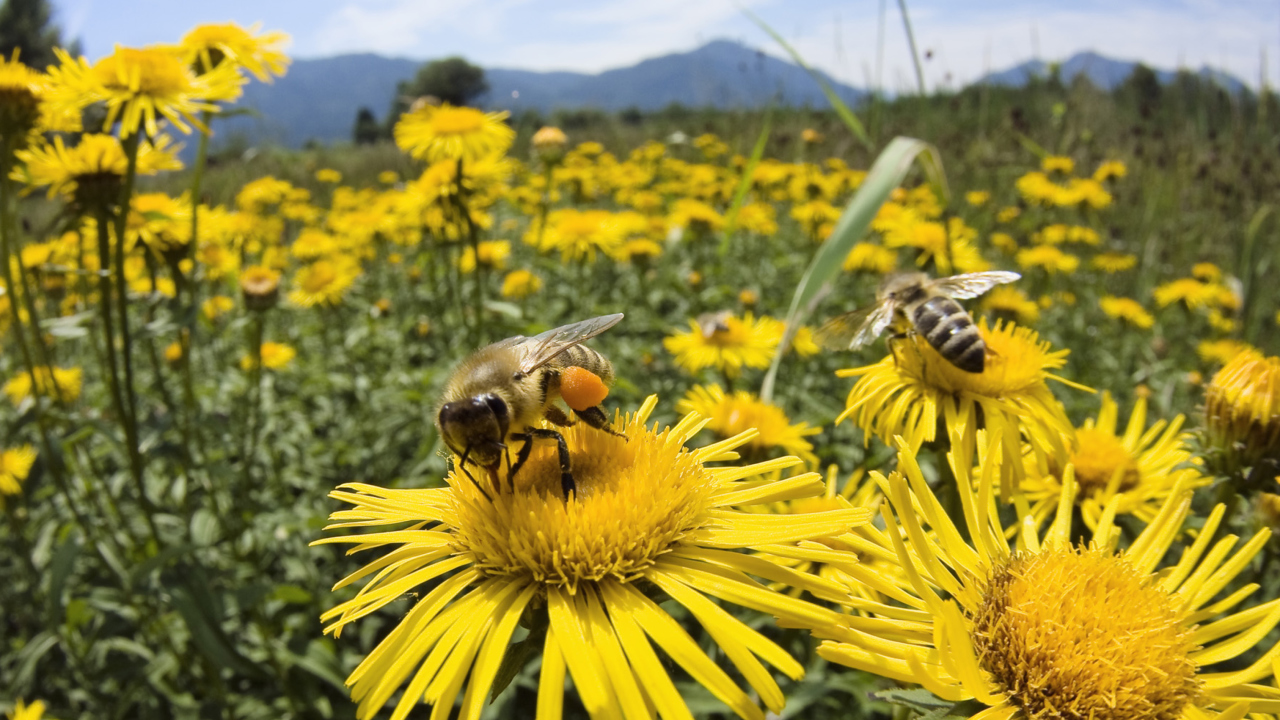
587, 359
951, 332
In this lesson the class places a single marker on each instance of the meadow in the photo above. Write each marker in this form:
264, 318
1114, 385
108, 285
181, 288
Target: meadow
209, 403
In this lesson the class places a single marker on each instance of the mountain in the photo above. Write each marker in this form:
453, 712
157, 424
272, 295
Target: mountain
719, 74
318, 99
1104, 72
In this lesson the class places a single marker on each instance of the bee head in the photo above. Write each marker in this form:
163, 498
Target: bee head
476, 427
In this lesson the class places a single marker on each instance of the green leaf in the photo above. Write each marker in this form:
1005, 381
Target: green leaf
850, 120
60, 569
744, 185
205, 529
291, 594
196, 602
917, 699
321, 661
886, 174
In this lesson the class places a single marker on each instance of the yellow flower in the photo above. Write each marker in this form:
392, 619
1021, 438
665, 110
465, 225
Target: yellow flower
388, 177
22, 711
759, 218
324, 282
160, 222
1057, 163
731, 415
1008, 214
1137, 470
696, 217
142, 86
1110, 169
647, 512
870, 257
446, 133
908, 392
493, 255
1048, 257
1189, 291
217, 306
725, 342
92, 170
1242, 407
1207, 272
15, 466
173, 352
62, 383
1113, 262
748, 297
977, 198
328, 175
1221, 352
260, 287
275, 356
520, 284
1004, 242
1127, 309
1012, 303
209, 46
23, 106
809, 136
579, 234
1051, 629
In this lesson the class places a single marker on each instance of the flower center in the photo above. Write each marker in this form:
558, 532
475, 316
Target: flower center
457, 121
635, 498
142, 72
1073, 634
1100, 457
321, 276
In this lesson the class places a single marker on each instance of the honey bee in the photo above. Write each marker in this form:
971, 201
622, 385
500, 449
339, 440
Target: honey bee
924, 305
711, 323
499, 393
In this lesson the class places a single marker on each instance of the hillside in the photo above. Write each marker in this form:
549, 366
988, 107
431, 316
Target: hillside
318, 99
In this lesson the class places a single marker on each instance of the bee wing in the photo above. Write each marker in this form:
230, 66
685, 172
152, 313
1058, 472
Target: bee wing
971, 285
852, 330
542, 349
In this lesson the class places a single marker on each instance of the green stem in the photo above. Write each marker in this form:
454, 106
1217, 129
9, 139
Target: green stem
187, 339
128, 391
256, 332
7, 233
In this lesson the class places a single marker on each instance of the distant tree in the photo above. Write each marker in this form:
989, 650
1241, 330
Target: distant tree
367, 131
452, 80
1143, 87
27, 25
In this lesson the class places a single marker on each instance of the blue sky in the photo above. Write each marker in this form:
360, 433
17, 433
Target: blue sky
965, 39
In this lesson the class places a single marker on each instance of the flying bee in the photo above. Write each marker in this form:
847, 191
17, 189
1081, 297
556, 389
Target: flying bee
499, 393
710, 323
924, 305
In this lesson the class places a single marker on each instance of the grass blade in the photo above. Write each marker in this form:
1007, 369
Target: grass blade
846, 115
886, 174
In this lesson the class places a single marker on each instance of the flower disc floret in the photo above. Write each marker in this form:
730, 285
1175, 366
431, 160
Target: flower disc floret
1080, 633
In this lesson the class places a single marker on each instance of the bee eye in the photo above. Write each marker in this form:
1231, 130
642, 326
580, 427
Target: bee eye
497, 407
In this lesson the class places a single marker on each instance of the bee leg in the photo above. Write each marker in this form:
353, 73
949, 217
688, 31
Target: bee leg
522, 455
461, 464
556, 416
596, 418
